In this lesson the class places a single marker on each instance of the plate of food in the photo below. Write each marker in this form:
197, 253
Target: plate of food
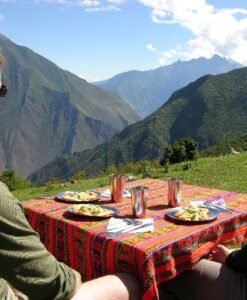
77, 196
193, 213
92, 210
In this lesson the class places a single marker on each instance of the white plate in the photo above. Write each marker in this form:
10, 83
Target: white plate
73, 196
74, 209
212, 214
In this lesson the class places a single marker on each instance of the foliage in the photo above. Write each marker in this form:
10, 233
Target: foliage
112, 169
130, 168
184, 149
78, 175
13, 181
239, 143
51, 183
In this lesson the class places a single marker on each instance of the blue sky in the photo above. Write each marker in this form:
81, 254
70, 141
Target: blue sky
97, 39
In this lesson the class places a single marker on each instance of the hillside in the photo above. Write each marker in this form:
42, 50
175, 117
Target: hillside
239, 143
226, 173
209, 110
146, 91
50, 112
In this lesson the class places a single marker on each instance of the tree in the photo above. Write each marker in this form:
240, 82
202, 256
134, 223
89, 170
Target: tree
13, 181
182, 150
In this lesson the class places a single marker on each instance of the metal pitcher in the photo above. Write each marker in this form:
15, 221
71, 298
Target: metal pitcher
117, 182
139, 201
174, 192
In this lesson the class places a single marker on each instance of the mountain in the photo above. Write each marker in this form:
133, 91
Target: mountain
49, 112
210, 109
146, 91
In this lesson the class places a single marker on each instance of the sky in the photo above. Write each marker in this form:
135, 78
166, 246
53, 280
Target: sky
97, 39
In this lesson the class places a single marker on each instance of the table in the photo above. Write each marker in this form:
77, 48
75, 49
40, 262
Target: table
155, 257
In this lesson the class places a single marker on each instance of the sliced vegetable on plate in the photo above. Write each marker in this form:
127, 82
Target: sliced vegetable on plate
77, 196
91, 210
193, 213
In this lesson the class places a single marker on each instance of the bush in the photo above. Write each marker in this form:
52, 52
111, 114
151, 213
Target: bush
51, 183
112, 169
145, 168
130, 168
184, 149
78, 176
13, 181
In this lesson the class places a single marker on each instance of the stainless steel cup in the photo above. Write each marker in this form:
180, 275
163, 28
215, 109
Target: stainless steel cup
174, 192
139, 201
117, 187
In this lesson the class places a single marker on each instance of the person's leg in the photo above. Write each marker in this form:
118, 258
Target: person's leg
120, 286
208, 280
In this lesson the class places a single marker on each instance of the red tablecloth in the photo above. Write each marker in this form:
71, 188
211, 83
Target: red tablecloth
82, 243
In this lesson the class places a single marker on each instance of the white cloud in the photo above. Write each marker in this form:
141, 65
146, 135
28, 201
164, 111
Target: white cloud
90, 5
151, 47
117, 2
221, 31
103, 8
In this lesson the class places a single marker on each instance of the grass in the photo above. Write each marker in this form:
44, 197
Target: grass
225, 172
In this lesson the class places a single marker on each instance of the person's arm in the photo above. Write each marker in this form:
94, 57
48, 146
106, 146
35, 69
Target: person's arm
234, 259
237, 260
25, 262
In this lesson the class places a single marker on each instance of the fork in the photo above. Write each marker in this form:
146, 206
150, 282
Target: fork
217, 207
128, 229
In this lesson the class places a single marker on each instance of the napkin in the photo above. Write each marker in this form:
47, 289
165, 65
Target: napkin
117, 225
107, 193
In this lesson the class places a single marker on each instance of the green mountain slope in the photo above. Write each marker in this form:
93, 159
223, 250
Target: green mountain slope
49, 112
146, 91
210, 110
238, 143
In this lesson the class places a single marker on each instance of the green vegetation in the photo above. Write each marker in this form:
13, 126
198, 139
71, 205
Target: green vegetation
182, 150
13, 181
225, 172
239, 143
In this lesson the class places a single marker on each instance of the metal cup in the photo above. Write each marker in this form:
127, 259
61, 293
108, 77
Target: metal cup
117, 187
174, 195
139, 201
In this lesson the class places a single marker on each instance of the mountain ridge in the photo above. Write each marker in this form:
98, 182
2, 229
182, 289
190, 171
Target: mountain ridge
147, 90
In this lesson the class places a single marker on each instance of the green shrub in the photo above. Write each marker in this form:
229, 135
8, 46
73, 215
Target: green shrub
145, 168
51, 183
78, 176
13, 181
112, 169
184, 149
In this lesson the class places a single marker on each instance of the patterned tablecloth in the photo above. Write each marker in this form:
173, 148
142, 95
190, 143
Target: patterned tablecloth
83, 243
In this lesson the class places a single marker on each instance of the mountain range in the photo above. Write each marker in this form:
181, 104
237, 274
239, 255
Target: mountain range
146, 91
50, 112
210, 109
